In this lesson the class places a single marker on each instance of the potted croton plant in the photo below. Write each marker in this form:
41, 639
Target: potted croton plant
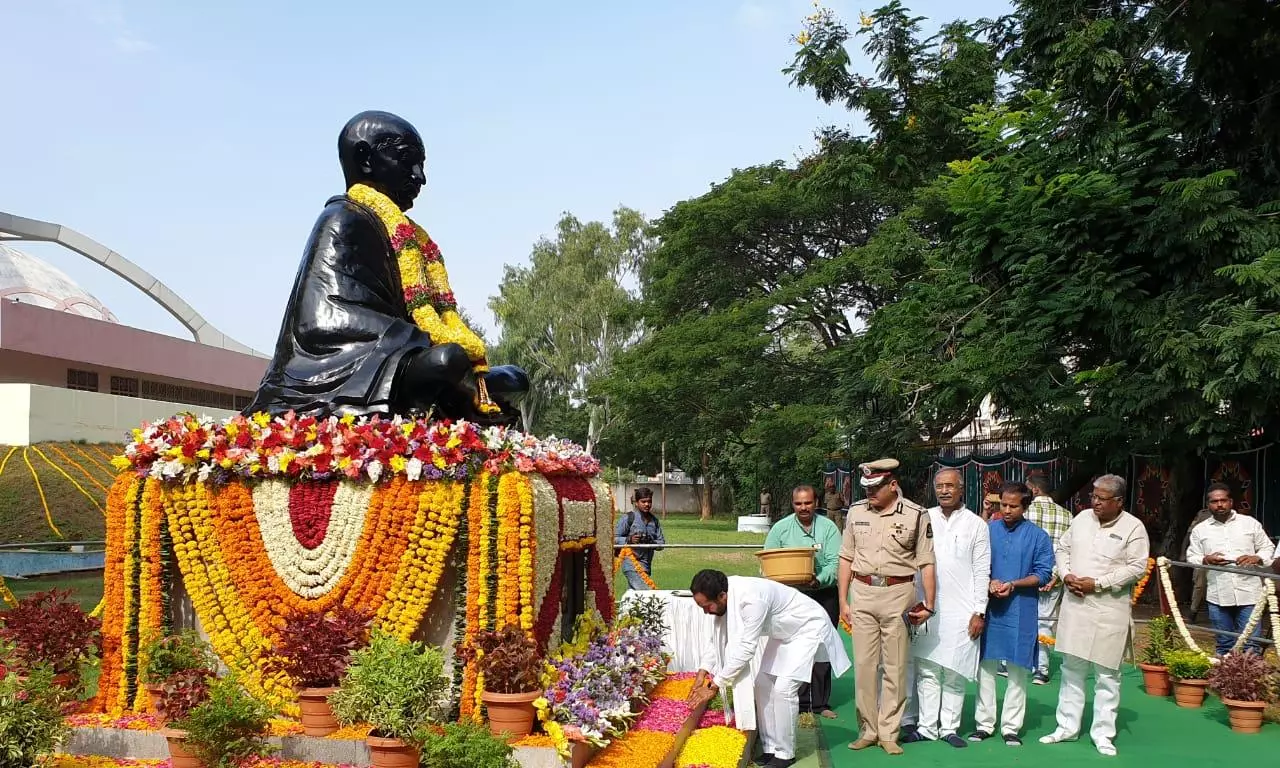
314, 650
167, 656
1160, 640
1188, 669
1243, 682
47, 628
399, 688
512, 669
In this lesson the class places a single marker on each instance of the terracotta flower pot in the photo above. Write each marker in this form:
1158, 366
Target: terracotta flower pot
156, 692
315, 713
1189, 693
391, 753
1155, 679
1246, 716
510, 713
179, 757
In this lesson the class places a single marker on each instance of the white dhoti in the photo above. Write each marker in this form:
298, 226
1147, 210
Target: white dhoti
1106, 699
778, 701
941, 695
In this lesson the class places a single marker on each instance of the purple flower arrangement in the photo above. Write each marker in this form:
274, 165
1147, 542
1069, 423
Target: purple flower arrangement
592, 691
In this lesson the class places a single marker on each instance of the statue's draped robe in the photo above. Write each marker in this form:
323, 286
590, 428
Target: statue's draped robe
346, 330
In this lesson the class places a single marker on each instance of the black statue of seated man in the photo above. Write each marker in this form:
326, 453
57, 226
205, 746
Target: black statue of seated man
349, 343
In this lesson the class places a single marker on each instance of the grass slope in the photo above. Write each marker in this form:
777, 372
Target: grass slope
22, 516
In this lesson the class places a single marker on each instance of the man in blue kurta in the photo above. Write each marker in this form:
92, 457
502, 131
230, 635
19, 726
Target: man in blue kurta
1021, 563
805, 528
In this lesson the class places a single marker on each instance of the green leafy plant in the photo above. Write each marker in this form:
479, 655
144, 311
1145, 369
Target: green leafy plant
396, 686
171, 654
1161, 638
31, 721
48, 628
649, 613
228, 727
1187, 664
1242, 677
464, 745
509, 659
315, 648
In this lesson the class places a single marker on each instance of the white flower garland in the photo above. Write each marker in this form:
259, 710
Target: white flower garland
604, 526
311, 573
1167, 583
546, 531
1266, 600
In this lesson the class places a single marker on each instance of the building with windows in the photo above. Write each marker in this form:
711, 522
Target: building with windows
69, 370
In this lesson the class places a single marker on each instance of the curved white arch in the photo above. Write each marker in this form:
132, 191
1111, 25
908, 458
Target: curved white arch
16, 228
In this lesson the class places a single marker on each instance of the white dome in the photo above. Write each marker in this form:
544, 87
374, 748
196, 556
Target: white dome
29, 280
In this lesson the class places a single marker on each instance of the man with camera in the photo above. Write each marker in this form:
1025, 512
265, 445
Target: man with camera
639, 526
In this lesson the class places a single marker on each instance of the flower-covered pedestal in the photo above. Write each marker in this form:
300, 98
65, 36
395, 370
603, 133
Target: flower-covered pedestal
439, 530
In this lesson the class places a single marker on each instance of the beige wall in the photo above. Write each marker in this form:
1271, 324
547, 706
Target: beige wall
30, 413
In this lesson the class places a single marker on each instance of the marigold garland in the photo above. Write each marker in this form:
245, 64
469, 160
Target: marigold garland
427, 293
1142, 582
80, 467
627, 554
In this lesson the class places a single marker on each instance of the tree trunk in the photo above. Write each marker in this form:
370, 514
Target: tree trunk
706, 487
1185, 492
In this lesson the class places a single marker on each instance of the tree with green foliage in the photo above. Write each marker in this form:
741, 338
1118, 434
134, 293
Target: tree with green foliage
566, 316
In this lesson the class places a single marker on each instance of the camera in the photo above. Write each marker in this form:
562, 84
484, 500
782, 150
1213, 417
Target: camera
643, 538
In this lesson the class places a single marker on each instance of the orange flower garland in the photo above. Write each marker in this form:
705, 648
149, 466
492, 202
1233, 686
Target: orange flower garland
626, 554
242, 588
1142, 583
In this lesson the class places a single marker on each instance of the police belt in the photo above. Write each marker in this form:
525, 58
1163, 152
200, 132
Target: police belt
883, 581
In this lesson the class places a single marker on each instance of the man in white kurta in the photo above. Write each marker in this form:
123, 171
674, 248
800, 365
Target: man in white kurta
1103, 554
795, 632
946, 648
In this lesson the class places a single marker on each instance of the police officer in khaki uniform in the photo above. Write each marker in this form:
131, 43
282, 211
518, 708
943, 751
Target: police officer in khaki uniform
887, 540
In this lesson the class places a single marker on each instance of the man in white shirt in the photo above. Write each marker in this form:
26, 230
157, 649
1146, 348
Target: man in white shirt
946, 648
1230, 538
795, 631
1054, 519
1102, 556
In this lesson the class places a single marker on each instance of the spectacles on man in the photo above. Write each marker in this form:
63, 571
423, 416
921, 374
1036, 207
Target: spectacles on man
1096, 497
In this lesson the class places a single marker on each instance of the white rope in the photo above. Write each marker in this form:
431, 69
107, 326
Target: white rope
1167, 583
1266, 603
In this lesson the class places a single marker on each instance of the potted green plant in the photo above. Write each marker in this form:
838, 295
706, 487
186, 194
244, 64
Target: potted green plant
226, 728
512, 669
399, 688
314, 649
1243, 681
179, 694
1160, 640
48, 628
1188, 669
166, 656
31, 722
465, 745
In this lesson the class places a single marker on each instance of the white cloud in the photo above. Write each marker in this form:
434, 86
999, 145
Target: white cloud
130, 44
108, 16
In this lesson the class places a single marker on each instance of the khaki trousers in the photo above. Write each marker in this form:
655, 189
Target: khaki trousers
880, 639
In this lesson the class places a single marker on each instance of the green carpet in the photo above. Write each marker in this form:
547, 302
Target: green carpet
1150, 732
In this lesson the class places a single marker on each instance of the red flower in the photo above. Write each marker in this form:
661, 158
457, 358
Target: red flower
403, 235
431, 252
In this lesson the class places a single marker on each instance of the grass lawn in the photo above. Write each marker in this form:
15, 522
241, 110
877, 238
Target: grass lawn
674, 568
85, 586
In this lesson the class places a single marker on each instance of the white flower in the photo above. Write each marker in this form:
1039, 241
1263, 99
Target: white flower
375, 470
413, 469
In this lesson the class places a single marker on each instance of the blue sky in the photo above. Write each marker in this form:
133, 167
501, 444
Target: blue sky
199, 140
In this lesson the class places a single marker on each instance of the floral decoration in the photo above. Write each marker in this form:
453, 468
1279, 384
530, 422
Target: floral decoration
380, 548
188, 448
627, 554
1142, 582
717, 747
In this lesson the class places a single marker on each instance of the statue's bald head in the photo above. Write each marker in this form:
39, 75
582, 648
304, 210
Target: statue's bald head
386, 152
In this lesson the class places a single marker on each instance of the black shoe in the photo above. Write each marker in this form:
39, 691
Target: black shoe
979, 736
763, 759
955, 741
781, 762
912, 736
1012, 740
